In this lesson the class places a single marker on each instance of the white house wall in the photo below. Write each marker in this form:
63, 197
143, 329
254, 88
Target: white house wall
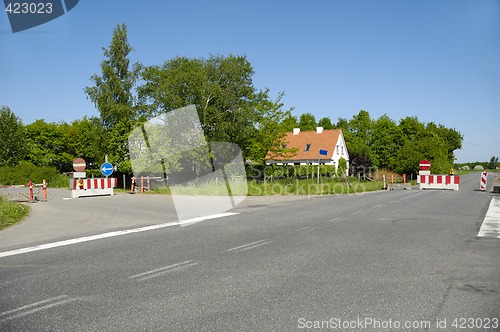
340, 152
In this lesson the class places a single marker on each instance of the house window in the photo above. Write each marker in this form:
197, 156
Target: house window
338, 149
308, 147
342, 153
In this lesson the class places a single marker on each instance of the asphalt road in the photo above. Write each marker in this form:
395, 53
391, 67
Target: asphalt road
405, 260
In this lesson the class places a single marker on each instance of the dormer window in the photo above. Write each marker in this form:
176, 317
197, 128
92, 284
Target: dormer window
308, 147
283, 146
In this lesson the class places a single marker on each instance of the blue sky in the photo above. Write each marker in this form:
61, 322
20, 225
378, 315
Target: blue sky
438, 60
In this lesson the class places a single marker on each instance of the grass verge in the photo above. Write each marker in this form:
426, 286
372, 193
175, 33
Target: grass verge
326, 186
11, 213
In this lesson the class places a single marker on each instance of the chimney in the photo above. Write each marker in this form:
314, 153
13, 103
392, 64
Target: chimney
319, 130
296, 131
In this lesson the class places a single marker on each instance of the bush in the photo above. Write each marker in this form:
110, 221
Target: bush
24, 172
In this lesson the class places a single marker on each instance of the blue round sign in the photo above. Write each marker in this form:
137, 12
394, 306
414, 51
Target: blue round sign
106, 169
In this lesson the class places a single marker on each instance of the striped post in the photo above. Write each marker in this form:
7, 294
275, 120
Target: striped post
482, 184
30, 184
44, 187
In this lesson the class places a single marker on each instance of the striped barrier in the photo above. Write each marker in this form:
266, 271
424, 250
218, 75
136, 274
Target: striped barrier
482, 184
92, 187
439, 181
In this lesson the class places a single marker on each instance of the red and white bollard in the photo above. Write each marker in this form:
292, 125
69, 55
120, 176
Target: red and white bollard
482, 184
30, 184
44, 187
132, 187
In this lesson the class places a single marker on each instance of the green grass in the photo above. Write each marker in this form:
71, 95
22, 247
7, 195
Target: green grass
11, 213
327, 186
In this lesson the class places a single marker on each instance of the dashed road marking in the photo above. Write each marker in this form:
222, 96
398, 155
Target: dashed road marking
162, 270
34, 307
250, 245
491, 223
303, 229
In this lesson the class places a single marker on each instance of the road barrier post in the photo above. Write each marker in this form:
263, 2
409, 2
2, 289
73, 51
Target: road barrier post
482, 184
44, 187
132, 186
30, 183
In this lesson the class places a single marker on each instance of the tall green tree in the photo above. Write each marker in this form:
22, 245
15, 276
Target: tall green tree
230, 108
326, 123
357, 134
387, 140
86, 138
48, 145
307, 121
271, 129
12, 138
289, 122
112, 94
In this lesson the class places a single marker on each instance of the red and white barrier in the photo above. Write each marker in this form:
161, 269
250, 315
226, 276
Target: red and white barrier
92, 187
484, 178
439, 181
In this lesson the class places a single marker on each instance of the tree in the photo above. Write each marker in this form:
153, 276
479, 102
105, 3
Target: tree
12, 138
230, 108
387, 140
112, 95
307, 121
86, 139
289, 122
271, 130
342, 167
326, 123
48, 145
357, 134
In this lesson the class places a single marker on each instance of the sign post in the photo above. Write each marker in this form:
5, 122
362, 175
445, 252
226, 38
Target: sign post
321, 153
79, 166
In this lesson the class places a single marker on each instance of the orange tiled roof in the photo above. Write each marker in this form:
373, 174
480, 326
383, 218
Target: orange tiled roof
327, 140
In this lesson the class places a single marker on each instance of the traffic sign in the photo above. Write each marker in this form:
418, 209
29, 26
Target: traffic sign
106, 169
424, 165
79, 164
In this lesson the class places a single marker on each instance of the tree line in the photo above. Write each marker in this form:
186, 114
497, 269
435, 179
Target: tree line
230, 108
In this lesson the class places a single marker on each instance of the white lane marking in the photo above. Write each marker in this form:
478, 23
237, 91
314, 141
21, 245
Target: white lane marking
336, 219
250, 245
110, 234
52, 302
380, 205
357, 212
302, 229
162, 270
491, 223
198, 219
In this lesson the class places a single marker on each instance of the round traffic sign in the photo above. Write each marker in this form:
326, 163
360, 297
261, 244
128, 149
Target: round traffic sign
79, 164
106, 169
424, 165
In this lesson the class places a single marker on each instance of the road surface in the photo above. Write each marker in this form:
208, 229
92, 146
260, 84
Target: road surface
391, 260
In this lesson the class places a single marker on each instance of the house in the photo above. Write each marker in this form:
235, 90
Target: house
309, 144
